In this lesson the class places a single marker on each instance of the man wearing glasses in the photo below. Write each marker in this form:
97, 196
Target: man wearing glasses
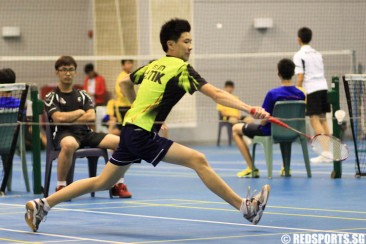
75, 109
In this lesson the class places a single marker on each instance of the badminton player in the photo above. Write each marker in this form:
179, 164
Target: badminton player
162, 84
310, 75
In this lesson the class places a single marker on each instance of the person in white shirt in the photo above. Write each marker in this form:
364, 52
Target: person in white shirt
309, 69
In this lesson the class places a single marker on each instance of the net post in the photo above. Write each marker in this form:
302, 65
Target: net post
333, 99
37, 107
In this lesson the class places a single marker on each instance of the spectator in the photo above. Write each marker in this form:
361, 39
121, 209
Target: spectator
287, 91
231, 115
75, 108
310, 75
7, 76
95, 85
122, 105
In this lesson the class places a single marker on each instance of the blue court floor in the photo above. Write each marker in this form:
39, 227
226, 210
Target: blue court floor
171, 205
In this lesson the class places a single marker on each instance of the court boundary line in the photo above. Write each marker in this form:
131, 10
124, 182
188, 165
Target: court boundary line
203, 221
61, 236
16, 241
168, 218
186, 201
234, 237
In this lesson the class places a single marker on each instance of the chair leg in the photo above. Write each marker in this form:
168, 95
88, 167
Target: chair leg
70, 175
25, 168
229, 134
305, 153
5, 159
286, 156
93, 163
268, 151
219, 136
10, 180
106, 160
253, 158
47, 177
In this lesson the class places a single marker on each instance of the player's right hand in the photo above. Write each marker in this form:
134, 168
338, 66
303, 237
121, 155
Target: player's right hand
259, 113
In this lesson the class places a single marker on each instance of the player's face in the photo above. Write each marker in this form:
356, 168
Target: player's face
66, 74
183, 47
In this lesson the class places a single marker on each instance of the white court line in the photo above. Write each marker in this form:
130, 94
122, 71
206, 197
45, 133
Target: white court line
203, 221
61, 236
61, 241
173, 219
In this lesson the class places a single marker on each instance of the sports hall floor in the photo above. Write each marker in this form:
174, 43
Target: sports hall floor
171, 205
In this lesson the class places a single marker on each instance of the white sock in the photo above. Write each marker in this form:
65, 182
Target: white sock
61, 183
46, 206
122, 180
243, 206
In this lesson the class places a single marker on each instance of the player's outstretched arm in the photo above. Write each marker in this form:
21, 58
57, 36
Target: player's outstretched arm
224, 98
127, 89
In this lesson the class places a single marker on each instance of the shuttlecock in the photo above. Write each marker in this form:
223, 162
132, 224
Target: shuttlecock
340, 114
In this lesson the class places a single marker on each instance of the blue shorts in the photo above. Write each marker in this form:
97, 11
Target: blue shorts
137, 144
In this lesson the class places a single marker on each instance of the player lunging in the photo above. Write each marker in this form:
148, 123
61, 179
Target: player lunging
162, 84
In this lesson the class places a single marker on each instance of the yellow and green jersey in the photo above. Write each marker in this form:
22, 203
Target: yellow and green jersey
163, 83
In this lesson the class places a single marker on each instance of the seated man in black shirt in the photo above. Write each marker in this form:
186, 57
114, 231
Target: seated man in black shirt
75, 108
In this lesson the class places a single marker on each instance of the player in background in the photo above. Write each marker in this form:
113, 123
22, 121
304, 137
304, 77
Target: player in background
310, 75
286, 92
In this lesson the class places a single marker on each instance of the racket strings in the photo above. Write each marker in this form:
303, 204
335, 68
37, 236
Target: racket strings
330, 147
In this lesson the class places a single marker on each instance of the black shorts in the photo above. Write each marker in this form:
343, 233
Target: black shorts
251, 130
137, 144
84, 138
317, 103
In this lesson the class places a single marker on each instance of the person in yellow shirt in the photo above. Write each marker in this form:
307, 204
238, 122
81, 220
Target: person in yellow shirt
121, 100
231, 115
117, 108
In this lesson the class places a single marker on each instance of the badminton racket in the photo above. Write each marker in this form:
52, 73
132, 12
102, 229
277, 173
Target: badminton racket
325, 145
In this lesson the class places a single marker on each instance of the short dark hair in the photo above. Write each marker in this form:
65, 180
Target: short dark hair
88, 68
172, 30
229, 83
7, 76
123, 61
65, 61
286, 68
305, 34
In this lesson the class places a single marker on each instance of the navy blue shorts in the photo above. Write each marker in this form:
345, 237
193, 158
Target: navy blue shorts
137, 144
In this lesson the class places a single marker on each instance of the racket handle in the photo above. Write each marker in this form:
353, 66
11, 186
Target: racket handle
271, 119
252, 111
